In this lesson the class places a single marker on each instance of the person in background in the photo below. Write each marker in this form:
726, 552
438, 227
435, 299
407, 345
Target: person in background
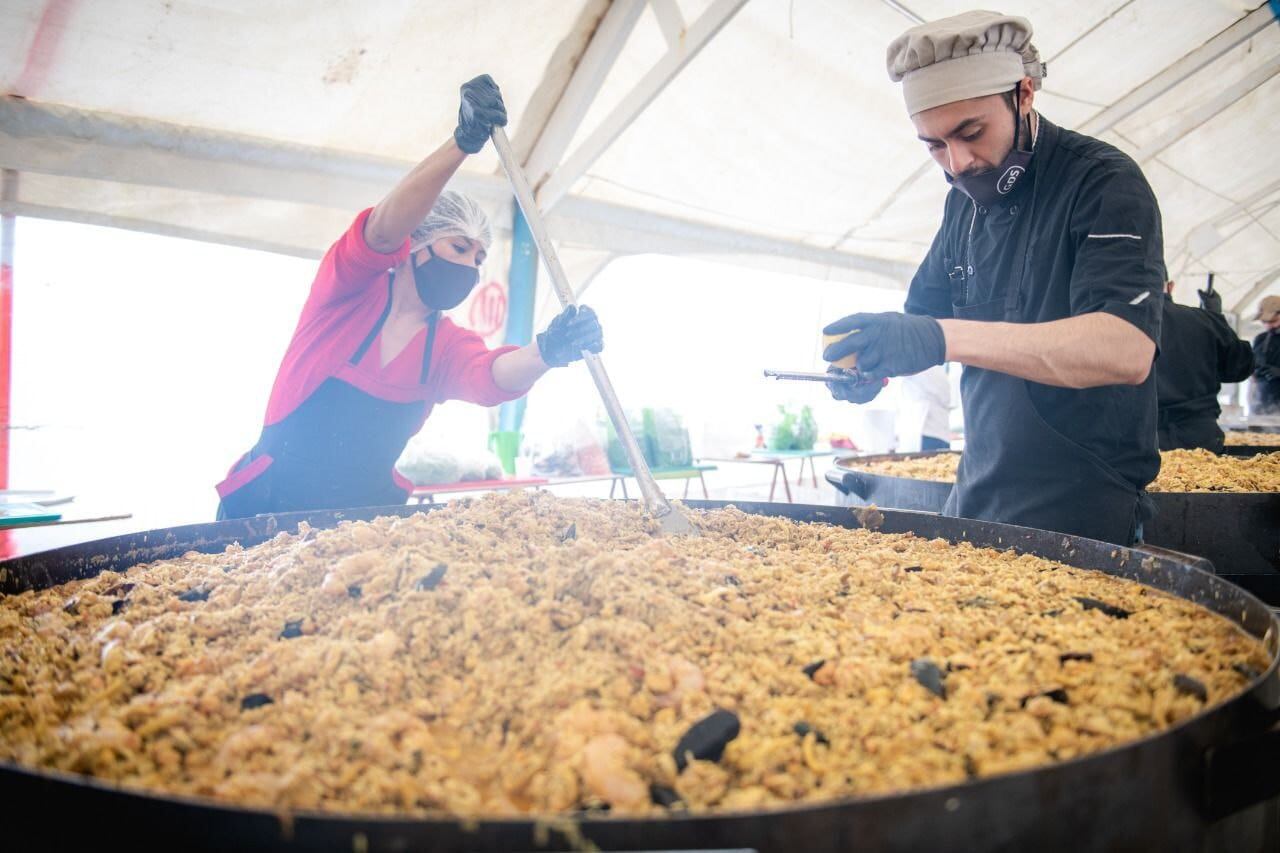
932, 388
1198, 352
1264, 396
372, 353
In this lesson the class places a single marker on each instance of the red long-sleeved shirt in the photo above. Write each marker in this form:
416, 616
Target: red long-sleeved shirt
347, 297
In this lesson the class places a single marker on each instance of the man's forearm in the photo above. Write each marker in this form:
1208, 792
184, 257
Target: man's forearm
410, 201
1079, 352
519, 369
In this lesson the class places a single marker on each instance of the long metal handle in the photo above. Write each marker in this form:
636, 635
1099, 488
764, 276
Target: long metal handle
654, 499
850, 378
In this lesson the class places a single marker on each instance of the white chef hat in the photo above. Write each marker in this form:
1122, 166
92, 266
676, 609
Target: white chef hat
965, 56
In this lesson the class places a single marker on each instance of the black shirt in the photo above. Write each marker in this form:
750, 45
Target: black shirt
1265, 395
1198, 352
1095, 245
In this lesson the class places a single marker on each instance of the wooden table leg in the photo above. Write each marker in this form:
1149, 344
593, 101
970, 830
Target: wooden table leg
813, 469
774, 484
786, 484
625, 496
705, 496
613, 484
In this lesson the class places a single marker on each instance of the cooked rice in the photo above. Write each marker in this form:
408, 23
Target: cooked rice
557, 659
1180, 471
1255, 439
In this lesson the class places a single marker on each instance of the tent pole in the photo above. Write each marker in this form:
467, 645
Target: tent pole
8, 222
522, 285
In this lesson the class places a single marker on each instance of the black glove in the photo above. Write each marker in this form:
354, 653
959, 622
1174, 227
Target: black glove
1268, 373
482, 110
574, 330
888, 344
862, 392
1210, 300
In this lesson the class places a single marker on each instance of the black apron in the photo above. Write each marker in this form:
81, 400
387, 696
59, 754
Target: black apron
338, 449
1190, 432
1016, 467
1198, 352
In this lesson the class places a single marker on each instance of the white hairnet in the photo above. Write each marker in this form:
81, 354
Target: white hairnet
453, 215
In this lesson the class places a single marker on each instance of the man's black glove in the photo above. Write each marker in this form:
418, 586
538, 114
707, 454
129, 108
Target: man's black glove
1269, 373
575, 329
888, 344
1211, 301
861, 392
481, 110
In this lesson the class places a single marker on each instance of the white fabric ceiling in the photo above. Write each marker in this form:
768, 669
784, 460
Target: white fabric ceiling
781, 143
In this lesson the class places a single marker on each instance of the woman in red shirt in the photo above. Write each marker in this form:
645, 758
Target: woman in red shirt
372, 354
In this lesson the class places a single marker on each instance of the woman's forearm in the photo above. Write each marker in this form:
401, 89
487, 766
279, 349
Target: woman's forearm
519, 369
410, 201
1086, 351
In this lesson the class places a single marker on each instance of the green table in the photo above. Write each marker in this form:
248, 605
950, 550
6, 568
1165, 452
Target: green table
778, 459
686, 473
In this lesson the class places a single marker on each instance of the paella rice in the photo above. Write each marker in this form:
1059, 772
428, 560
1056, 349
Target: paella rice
1237, 438
1180, 471
1202, 471
523, 654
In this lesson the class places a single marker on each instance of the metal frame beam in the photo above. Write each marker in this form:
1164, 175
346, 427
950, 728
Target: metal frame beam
602, 51
1215, 238
670, 21
1210, 109
630, 231
74, 143
57, 140
1195, 61
1257, 290
696, 37
153, 226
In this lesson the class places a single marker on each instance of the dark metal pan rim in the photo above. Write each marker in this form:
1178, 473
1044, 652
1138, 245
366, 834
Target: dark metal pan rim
1253, 697
849, 464
798, 808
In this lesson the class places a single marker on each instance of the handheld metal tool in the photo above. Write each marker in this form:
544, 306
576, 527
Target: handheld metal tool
848, 377
671, 520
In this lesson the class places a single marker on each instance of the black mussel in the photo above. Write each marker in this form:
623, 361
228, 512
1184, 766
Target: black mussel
1107, 609
1191, 687
255, 700
802, 729
663, 796
433, 578
706, 739
930, 677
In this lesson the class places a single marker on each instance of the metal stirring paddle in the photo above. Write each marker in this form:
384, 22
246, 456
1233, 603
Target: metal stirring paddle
671, 520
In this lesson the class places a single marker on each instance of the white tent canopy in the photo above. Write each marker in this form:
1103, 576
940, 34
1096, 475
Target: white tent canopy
764, 132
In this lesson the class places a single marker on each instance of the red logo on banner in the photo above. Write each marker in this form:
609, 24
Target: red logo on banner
488, 314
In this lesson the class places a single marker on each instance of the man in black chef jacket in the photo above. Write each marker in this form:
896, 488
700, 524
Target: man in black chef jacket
1045, 281
1198, 352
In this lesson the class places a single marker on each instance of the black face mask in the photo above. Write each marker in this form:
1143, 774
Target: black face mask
443, 284
994, 185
